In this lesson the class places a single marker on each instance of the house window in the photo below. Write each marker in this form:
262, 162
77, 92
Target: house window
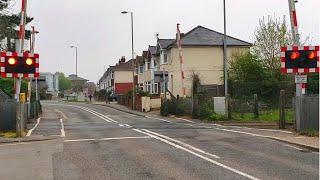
141, 69
165, 58
156, 88
148, 86
148, 65
141, 87
155, 65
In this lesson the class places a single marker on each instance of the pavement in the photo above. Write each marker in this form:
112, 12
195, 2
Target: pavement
100, 142
290, 137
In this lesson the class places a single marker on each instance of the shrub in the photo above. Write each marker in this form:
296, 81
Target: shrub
206, 110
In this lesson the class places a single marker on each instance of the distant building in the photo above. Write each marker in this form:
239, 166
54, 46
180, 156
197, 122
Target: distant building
77, 81
51, 81
202, 55
89, 88
118, 79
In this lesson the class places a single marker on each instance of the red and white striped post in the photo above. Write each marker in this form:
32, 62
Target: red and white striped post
22, 31
21, 42
181, 61
300, 88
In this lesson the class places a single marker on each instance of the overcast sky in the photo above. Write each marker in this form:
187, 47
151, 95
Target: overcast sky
103, 34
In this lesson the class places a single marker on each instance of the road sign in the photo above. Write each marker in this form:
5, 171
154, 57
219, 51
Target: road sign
300, 79
19, 65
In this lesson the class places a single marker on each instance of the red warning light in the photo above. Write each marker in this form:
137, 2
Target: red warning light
295, 55
312, 55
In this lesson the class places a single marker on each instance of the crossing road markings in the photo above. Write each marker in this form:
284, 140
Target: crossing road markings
198, 155
107, 139
63, 133
35, 126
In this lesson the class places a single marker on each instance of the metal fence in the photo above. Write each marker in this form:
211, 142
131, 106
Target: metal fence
8, 115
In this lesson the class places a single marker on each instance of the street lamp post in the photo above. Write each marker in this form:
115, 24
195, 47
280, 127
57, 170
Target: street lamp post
76, 48
132, 57
225, 62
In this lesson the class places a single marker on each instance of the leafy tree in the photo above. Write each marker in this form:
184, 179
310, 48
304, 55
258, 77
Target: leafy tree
64, 83
7, 86
247, 68
8, 25
270, 36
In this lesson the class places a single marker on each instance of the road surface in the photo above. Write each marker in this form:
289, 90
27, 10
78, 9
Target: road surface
97, 142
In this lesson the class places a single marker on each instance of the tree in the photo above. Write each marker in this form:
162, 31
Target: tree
247, 75
64, 83
247, 68
6, 85
270, 36
8, 25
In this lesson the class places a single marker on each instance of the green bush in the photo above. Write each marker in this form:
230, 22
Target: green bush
216, 117
206, 109
164, 108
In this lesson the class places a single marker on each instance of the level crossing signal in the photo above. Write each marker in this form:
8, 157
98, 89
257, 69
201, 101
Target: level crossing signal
19, 65
300, 59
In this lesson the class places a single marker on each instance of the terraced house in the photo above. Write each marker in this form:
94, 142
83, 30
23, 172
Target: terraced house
202, 55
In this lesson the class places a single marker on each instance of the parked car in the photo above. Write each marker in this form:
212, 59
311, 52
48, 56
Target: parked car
112, 98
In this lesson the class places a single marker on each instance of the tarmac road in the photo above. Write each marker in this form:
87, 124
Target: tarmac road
97, 142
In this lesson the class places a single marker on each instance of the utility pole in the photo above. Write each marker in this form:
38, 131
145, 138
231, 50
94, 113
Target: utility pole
295, 36
225, 61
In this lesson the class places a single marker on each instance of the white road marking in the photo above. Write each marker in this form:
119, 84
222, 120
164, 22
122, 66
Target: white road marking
107, 139
158, 119
128, 126
25, 143
107, 117
121, 125
35, 126
62, 114
185, 120
242, 132
287, 145
92, 112
198, 155
272, 130
63, 133
102, 116
182, 143
189, 125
